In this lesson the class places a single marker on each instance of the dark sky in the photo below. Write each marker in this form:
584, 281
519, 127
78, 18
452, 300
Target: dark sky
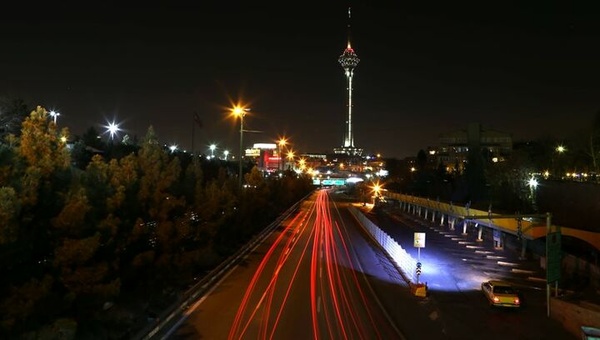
530, 69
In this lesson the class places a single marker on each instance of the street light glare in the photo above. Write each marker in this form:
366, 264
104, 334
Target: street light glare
533, 183
239, 111
54, 115
212, 148
112, 128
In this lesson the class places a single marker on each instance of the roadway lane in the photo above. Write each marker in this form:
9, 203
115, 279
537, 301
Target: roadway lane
454, 265
317, 277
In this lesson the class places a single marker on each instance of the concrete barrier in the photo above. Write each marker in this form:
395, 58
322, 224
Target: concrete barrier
575, 314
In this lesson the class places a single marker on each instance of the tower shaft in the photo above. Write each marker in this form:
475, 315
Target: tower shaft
348, 137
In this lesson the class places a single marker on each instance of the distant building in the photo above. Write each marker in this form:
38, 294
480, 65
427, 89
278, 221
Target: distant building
495, 146
265, 156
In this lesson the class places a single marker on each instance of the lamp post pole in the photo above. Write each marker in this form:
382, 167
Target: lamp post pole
241, 112
212, 150
241, 141
280, 144
54, 115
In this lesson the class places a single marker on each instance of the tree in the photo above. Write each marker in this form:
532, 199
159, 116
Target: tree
91, 138
12, 113
33, 188
159, 207
41, 145
474, 173
9, 212
594, 143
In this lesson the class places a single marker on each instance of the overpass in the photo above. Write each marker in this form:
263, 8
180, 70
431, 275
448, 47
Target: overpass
528, 228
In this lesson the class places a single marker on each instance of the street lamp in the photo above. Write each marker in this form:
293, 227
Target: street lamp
112, 128
376, 188
290, 157
302, 164
54, 115
226, 153
560, 149
212, 150
240, 112
281, 143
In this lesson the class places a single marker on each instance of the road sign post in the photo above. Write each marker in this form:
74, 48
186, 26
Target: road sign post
553, 259
419, 243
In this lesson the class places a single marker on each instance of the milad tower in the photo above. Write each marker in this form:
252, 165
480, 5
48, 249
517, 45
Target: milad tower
349, 60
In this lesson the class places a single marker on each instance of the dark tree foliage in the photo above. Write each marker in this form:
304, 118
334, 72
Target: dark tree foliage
12, 113
116, 225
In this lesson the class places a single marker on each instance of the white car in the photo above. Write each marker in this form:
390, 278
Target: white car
500, 293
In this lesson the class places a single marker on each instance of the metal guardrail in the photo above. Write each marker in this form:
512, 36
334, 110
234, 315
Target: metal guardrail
152, 330
530, 229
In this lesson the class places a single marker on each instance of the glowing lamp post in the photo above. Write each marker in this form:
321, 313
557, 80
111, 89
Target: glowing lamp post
290, 157
112, 128
281, 143
54, 115
240, 112
377, 191
212, 150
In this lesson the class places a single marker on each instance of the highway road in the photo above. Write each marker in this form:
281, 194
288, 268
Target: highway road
317, 277
320, 276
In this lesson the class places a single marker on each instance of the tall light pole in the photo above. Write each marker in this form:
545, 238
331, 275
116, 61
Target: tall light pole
212, 150
240, 112
54, 115
281, 143
290, 157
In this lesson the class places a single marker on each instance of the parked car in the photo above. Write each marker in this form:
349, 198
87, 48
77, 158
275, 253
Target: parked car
501, 294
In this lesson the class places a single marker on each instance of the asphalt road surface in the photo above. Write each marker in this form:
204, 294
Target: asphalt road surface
320, 276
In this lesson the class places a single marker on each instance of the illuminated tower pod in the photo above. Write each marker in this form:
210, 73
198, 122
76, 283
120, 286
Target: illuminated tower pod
349, 60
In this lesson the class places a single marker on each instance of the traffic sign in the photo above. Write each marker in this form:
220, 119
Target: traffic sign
419, 240
553, 244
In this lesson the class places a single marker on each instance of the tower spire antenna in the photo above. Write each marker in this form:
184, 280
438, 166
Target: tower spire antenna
349, 29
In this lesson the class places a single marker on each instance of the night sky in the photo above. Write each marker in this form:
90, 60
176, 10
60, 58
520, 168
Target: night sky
530, 70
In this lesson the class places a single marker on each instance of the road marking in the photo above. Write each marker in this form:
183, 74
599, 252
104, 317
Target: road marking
475, 247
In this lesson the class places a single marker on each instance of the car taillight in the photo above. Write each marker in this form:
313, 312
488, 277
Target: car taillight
517, 301
496, 299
